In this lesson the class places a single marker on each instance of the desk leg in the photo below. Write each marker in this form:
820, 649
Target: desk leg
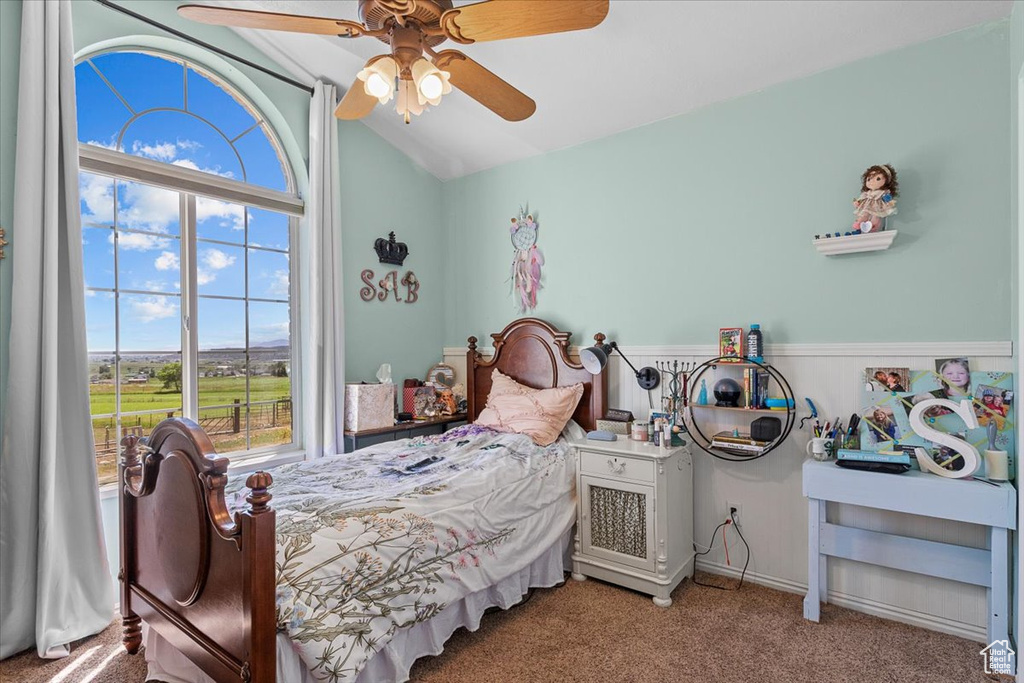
817, 564
999, 593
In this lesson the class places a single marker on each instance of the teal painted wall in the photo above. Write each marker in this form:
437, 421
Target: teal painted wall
382, 191
664, 233
10, 48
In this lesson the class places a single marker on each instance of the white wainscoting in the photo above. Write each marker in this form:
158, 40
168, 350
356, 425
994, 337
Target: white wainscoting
774, 511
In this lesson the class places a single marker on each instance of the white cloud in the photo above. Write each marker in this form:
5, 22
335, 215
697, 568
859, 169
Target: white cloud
164, 151
204, 277
161, 151
230, 215
167, 260
144, 207
105, 145
279, 283
133, 241
158, 285
154, 308
217, 259
188, 163
97, 194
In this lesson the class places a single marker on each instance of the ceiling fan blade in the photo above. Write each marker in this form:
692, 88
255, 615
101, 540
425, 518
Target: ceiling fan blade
484, 86
356, 103
241, 18
500, 19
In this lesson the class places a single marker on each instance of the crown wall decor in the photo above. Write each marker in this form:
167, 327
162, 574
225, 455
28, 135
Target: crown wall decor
390, 251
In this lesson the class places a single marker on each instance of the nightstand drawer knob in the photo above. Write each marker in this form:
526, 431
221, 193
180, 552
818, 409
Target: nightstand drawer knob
616, 469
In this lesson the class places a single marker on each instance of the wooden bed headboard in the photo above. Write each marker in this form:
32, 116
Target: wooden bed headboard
533, 352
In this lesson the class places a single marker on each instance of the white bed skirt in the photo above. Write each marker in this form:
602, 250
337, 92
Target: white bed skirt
393, 662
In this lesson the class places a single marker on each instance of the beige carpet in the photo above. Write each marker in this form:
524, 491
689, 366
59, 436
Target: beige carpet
595, 632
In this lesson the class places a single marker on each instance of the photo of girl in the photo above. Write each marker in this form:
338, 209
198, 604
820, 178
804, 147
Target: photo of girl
948, 458
992, 403
887, 379
881, 424
955, 376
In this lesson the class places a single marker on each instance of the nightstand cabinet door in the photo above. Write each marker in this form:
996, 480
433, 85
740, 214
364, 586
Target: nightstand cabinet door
618, 521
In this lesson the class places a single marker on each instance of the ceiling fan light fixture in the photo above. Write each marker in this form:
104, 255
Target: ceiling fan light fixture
379, 78
431, 82
408, 104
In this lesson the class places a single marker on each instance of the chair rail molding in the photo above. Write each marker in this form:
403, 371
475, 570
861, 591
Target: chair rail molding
991, 349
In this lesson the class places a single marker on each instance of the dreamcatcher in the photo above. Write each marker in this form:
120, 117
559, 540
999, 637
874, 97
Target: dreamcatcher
527, 260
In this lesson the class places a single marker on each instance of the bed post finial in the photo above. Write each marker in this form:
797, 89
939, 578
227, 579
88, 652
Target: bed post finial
472, 344
599, 339
259, 497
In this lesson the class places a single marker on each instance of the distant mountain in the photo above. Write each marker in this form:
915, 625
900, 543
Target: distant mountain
269, 344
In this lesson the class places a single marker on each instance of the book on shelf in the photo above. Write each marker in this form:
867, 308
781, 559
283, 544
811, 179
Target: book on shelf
738, 447
743, 439
899, 457
755, 387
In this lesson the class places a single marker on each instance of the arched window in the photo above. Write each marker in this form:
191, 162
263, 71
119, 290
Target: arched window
188, 220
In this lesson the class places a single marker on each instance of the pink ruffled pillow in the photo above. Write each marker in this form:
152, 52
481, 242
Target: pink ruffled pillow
539, 413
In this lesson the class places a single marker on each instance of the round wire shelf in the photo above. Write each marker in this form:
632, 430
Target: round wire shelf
735, 455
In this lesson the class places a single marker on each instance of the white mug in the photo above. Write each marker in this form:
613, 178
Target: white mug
819, 448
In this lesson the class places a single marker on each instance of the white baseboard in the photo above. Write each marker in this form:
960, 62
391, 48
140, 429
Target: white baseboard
931, 622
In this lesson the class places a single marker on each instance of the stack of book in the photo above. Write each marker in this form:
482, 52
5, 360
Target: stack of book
755, 387
739, 443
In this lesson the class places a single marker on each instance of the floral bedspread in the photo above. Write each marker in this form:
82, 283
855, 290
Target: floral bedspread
384, 538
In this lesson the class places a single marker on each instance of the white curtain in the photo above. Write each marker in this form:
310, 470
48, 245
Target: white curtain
324, 357
54, 583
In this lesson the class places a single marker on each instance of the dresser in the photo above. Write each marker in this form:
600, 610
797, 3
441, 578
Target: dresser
634, 515
354, 440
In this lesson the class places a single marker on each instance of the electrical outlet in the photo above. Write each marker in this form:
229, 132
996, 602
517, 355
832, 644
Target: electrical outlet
738, 515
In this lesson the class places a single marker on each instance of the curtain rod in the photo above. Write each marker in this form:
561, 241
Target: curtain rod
204, 44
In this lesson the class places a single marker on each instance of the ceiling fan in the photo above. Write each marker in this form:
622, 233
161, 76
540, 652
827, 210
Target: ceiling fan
415, 27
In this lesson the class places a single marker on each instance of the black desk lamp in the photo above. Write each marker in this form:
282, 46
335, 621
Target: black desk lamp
595, 358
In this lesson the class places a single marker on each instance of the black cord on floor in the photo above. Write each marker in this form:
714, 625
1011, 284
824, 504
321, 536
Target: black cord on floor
731, 520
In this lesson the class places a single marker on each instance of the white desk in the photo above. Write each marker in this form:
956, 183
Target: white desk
917, 493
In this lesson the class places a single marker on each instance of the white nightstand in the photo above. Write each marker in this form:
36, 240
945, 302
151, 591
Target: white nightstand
634, 515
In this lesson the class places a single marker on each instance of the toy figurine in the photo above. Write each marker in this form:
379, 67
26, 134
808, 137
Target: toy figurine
877, 200
702, 397
447, 403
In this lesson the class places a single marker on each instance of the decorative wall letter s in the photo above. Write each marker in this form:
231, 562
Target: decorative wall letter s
966, 450
368, 292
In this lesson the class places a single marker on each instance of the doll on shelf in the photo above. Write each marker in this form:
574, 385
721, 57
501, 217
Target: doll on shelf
877, 200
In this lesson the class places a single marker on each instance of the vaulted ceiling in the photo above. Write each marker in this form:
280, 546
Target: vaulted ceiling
649, 60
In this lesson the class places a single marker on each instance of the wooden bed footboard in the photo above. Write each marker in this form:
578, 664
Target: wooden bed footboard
200, 576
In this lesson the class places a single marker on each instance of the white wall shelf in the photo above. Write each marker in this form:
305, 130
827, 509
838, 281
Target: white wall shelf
852, 244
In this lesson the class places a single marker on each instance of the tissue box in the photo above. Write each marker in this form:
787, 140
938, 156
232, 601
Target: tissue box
614, 426
369, 406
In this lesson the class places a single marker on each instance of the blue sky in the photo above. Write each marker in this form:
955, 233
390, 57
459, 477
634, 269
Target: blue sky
153, 90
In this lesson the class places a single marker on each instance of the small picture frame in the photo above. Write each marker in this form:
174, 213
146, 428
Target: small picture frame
887, 379
954, 375
424, 402
730, 344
